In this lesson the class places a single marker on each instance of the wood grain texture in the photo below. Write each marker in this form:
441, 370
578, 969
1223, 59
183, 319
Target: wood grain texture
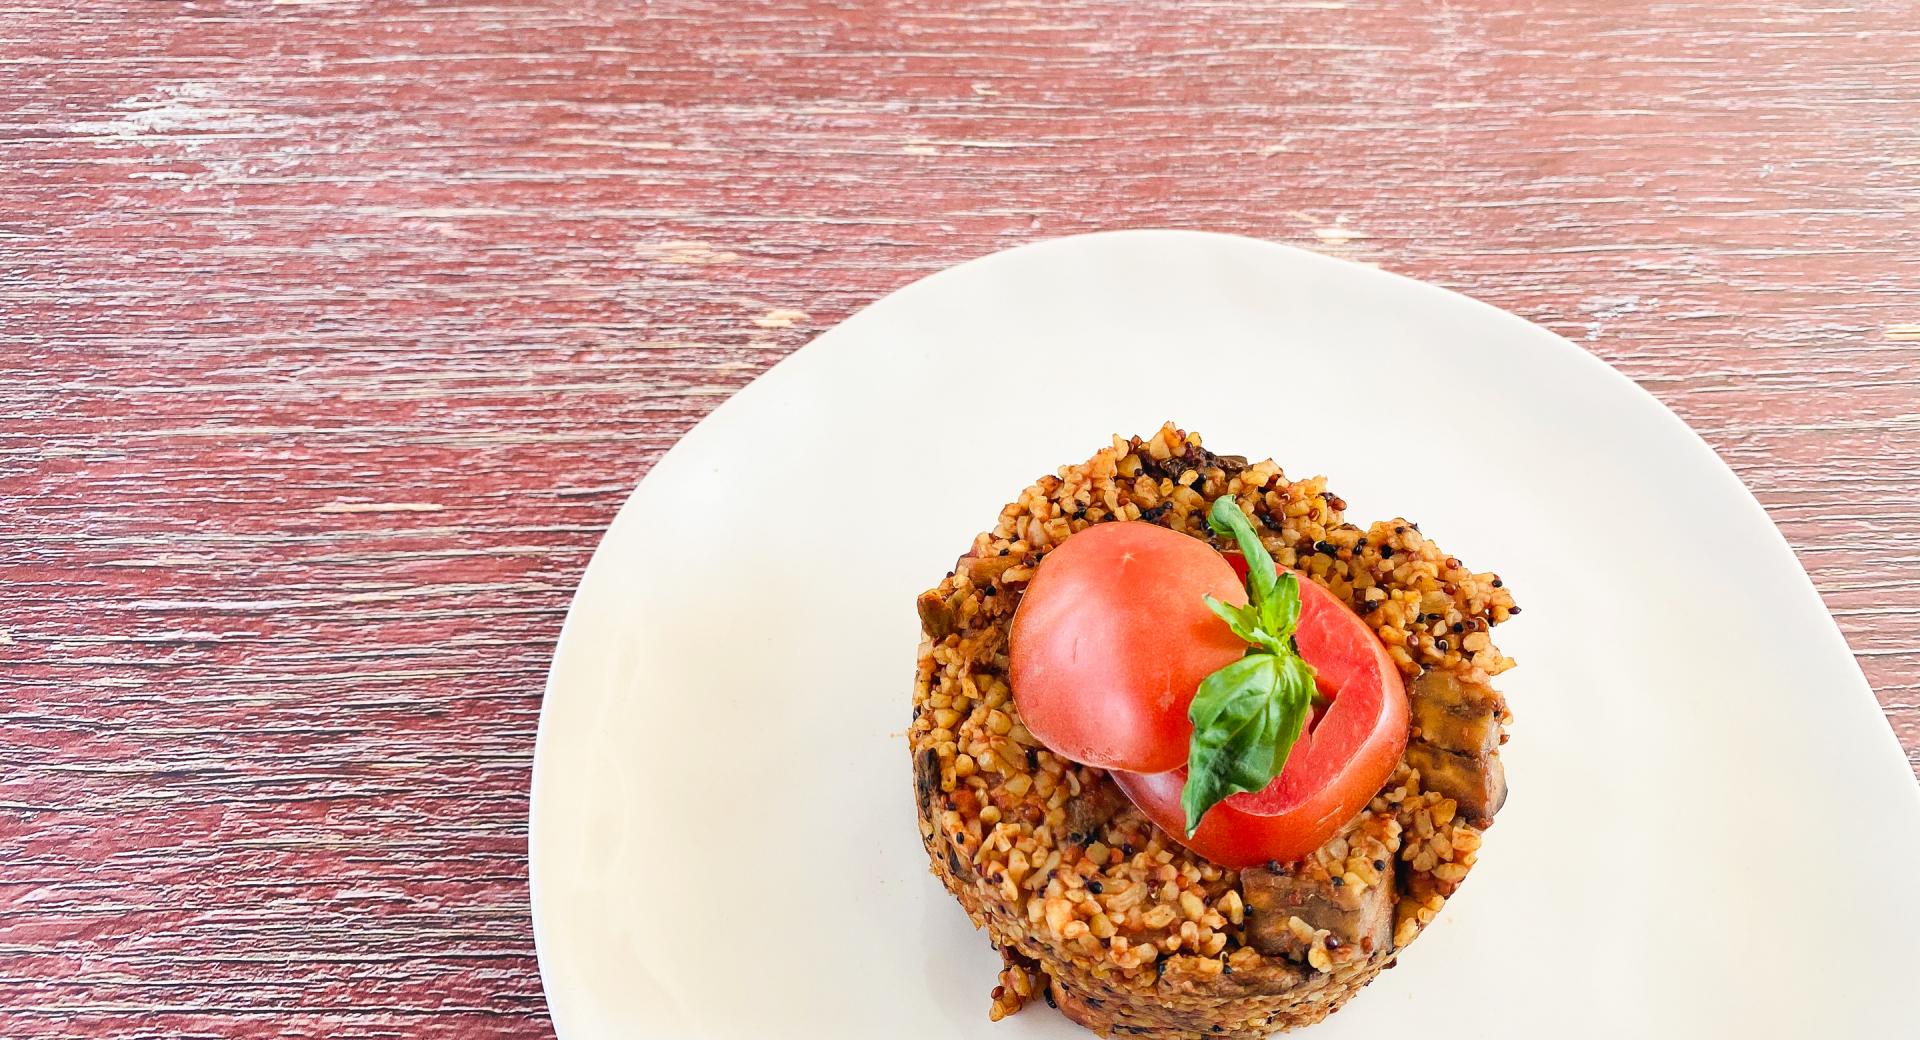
333, 333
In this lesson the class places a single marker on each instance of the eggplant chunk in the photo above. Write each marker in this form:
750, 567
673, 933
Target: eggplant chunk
926, 783
1475, 782
936, 616
1455, 715
1270, 976
1097, 804
986, 570
1352, 916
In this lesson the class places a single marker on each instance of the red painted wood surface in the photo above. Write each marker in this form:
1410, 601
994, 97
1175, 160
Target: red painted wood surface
333, 333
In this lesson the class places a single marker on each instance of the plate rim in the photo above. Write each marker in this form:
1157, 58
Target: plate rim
1595, 368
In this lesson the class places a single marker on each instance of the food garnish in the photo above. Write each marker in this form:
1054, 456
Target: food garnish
1248, 715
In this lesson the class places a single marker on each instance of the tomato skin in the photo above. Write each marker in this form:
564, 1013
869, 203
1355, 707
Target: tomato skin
1112, 638
1334, 770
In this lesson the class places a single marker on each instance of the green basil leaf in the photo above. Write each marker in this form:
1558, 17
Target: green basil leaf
1236, 722
1296, 692
1246, 718
1280, 612
1248, 715
1227, 518
1225, 692
1240, 619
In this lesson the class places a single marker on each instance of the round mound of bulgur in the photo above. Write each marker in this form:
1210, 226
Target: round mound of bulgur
1103, 914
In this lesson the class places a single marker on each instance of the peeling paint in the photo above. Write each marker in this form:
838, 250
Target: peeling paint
780, 319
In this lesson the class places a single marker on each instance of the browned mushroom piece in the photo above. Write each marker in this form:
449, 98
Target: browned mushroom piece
1362, 917
1095, 806
1476, 782
936, 617
1458, 716
926, 783
986, 570
1265, 977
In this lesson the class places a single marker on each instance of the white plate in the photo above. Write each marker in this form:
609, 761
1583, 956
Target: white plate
1712, 831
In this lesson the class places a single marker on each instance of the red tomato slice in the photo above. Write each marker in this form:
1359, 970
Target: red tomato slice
1333, 771
1113, 637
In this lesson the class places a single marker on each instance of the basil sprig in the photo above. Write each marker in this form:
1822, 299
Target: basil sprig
1247, 716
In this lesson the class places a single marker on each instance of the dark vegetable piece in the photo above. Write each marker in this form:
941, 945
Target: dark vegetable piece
1455, 715
935, 615
986, 570
1350, 915
1476, 782
1096, 805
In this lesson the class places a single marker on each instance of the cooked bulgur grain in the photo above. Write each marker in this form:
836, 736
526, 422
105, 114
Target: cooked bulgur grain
1102, 912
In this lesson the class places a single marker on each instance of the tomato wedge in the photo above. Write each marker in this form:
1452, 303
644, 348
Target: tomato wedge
1335, 768
1112, 638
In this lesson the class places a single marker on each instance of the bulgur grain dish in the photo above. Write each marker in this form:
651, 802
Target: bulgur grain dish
1114, 919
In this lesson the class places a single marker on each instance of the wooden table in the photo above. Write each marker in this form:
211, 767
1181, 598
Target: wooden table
333, 333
